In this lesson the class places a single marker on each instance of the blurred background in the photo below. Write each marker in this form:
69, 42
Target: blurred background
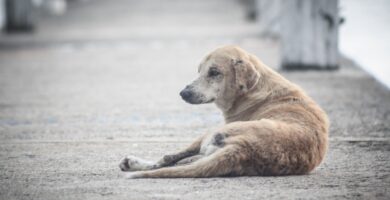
124, 61
87, 79
364, 37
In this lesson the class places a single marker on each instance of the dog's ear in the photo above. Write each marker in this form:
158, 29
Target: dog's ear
245, 75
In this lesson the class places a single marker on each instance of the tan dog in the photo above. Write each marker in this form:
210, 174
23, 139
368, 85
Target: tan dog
272, 127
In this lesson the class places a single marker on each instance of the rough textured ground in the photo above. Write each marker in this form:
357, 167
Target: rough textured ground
102, 82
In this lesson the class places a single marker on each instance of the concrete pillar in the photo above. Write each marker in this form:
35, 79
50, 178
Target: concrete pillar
307, 29
19, 15
2, 14
309, 34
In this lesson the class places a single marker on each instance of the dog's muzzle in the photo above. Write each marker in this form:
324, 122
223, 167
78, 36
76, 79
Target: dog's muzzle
187, 94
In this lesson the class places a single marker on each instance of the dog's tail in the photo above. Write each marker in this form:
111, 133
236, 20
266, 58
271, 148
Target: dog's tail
224, 162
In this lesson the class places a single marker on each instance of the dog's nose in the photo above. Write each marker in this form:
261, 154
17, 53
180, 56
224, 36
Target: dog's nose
186, 94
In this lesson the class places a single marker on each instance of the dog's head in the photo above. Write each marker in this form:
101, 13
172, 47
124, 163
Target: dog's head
224, 74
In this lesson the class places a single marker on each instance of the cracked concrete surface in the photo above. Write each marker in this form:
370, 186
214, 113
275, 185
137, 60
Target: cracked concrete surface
102, 82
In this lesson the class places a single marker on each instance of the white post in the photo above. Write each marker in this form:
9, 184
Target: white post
19, 15
309, 34
307, 29
2, 14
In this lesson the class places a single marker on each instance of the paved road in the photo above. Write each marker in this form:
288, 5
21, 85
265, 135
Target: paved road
102, 82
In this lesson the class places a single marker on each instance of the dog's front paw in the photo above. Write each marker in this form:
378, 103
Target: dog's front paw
128, 163
132, 163
124, 164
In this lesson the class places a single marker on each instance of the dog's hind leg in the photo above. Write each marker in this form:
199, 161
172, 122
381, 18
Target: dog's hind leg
225, 161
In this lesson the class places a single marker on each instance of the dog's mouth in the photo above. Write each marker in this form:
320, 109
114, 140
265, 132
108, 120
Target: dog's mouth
192, 97
210, 101
197, 101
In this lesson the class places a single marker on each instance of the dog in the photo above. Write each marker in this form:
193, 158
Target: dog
272, 127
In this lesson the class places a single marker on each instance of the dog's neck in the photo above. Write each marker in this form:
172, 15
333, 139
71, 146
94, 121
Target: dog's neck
271, 86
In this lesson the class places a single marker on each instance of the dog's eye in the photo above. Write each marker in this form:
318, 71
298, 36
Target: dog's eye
213, 72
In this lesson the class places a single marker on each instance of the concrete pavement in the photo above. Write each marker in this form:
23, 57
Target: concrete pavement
102, 82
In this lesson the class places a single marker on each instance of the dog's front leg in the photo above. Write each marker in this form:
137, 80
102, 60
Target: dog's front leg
133, 163
171, 159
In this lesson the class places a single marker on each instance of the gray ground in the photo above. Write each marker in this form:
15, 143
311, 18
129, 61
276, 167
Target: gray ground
102, 82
